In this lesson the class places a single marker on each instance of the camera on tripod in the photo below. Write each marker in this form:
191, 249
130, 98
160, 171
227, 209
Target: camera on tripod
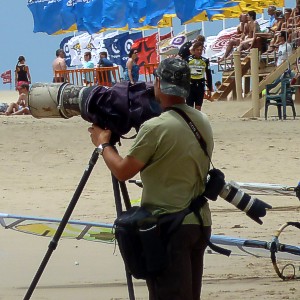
119, 108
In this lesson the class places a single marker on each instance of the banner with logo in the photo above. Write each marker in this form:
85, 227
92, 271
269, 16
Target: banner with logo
6, 77
171, 46
65, 46
119, 46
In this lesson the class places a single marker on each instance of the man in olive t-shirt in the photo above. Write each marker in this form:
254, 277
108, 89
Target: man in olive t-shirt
173, 170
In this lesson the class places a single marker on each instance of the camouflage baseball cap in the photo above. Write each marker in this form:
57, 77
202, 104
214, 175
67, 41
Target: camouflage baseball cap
174, 75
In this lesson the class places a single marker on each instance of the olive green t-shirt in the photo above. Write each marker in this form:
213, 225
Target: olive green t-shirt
175, 165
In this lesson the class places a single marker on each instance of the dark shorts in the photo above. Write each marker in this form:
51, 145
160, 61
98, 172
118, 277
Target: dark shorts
182, 279
196, 93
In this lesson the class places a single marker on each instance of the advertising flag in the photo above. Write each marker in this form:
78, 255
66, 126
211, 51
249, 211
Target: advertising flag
46, 15
118, 47
171, 46
65, 46
6, 77
147, 49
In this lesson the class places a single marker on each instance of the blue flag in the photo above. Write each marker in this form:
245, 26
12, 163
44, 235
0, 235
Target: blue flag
156, 9
46, 15
118, 47
67, 14
115, 13
137, 10
89, 15
188, 9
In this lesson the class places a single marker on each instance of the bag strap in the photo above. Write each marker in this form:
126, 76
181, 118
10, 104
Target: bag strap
199, 201
194, 129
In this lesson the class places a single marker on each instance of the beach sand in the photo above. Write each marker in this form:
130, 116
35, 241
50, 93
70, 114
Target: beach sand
43, 160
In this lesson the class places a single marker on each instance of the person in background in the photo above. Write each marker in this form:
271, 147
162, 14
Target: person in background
22, 73
132, 69
21, 106
104, 61
275, 30
271, 13
218, 85
88, 77
200, 69
173, 169
241, 32
253, 27
59, 64
186, 49
284, 49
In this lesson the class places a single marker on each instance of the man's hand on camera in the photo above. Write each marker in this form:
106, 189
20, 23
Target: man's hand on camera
98, 135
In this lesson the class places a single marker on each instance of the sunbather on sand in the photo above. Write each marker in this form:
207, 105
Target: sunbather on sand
21, 106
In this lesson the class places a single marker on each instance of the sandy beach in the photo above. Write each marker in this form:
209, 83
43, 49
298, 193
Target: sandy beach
43, 160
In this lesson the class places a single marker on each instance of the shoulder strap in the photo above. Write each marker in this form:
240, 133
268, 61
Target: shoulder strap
194, 129
199, 201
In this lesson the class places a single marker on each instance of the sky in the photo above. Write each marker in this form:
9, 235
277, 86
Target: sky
17, 38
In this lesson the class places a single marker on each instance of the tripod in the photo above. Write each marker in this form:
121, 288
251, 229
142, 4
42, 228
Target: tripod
118, 188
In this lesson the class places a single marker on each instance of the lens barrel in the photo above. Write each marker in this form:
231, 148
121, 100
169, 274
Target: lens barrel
253, 207
55, 100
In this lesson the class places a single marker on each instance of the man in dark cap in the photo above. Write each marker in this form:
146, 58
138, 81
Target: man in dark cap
173, 169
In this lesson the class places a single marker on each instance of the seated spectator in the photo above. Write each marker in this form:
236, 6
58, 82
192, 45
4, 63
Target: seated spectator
287, 25
284, 48
21, 106
241, 33
294, 31
276, 29
271, 13
253, 27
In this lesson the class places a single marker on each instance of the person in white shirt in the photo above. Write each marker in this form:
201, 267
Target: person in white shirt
284, 49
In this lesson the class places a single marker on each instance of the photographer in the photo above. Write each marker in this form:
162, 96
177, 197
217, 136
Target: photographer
173, 169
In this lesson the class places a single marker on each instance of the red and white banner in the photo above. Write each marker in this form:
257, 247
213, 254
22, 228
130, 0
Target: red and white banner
6, 77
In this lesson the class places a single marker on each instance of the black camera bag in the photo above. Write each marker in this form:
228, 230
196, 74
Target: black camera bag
141, 243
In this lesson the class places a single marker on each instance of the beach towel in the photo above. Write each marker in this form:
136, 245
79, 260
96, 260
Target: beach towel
3, 107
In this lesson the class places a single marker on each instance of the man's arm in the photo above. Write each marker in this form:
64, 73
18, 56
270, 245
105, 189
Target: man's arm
122, 168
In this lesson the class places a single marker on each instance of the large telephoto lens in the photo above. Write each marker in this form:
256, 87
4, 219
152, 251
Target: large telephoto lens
118, 108
55, 100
